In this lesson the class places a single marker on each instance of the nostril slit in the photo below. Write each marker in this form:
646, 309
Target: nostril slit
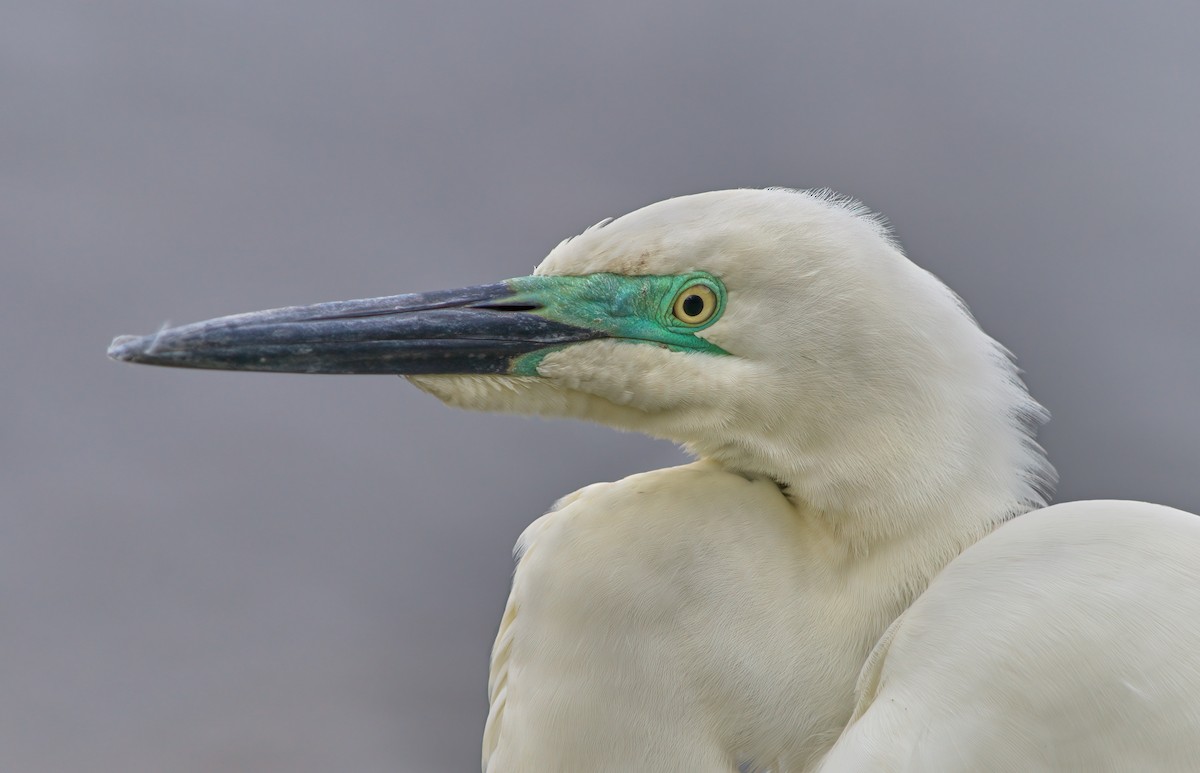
508, 306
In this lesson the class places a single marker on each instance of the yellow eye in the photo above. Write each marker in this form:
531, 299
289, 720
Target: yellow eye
695, 305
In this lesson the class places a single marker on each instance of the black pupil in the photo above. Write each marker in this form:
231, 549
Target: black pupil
693, 305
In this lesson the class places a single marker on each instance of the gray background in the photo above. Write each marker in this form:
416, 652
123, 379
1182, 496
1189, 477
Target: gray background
207, 571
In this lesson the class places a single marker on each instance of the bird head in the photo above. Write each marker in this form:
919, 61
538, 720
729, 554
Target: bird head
778, 332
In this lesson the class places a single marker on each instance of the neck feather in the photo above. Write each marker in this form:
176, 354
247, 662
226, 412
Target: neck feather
944, 468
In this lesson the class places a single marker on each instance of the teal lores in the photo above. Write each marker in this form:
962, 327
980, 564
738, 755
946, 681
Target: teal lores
630, 308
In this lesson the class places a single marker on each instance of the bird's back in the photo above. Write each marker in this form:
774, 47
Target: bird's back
1068, 640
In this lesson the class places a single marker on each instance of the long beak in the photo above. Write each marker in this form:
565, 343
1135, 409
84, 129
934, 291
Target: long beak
484, 329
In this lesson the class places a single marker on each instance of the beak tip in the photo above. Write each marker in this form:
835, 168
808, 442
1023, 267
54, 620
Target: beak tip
127, 348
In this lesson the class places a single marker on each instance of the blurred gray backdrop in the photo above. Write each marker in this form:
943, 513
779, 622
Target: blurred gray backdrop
205, 571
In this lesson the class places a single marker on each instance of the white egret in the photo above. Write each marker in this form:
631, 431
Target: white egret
855, 432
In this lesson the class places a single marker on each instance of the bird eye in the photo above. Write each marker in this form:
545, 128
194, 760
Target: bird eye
695, 305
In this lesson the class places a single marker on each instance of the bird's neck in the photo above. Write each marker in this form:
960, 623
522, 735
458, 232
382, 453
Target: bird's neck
922, 486
887, 532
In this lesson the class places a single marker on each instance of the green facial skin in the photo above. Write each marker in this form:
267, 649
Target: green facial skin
637, 309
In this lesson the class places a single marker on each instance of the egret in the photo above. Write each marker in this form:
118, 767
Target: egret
858, 572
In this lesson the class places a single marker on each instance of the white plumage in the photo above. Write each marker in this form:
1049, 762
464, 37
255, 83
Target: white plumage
1065, 641
699, 618
841, 581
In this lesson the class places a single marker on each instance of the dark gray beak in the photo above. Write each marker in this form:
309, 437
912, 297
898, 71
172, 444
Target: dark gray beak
483, 329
